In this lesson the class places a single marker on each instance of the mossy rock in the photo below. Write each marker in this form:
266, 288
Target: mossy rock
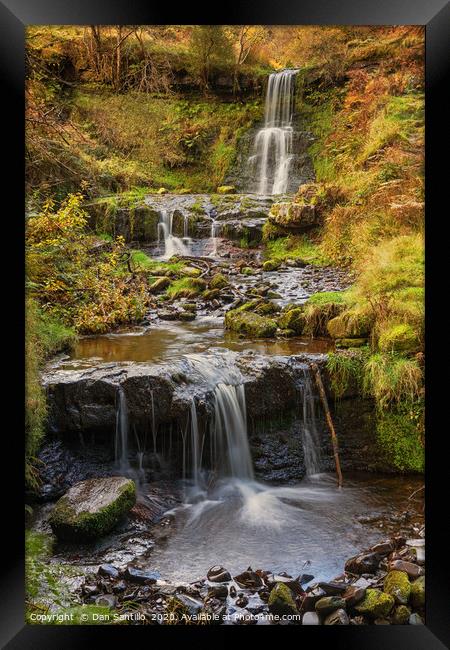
320, 308
292, 319
226, 189
247, 270
266, 308
162, 190
159, 285
417, 595
91, 508
376, 604
250, 324
186, 315
271, 265
398, 338
190, 272
218, 281
285, 333
211, 294
350, 343
397, 585
281, 601
350, 324
401, 615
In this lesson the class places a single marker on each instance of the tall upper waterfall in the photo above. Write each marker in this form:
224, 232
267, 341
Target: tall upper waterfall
273, 144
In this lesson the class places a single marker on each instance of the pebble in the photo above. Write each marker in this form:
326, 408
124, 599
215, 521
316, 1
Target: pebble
218, 574
413, 570
108, 570
338, 617
310, 618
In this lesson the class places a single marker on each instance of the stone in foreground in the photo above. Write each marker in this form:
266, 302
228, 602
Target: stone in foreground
91, 508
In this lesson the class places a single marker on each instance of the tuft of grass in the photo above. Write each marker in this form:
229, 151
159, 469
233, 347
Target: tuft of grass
320, 308
185, 288
346, 368
392, 379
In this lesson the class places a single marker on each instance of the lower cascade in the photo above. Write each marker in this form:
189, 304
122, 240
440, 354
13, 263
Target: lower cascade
172, 245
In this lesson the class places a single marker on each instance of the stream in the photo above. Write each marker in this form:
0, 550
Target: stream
187, 410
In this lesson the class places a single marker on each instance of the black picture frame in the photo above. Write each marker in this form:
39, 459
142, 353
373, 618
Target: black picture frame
15, 15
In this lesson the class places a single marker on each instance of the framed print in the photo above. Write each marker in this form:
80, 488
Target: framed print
226, 423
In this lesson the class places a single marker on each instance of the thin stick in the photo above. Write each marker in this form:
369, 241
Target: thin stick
334, 439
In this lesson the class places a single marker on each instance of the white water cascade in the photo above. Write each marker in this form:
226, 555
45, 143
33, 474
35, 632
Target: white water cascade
122, 430
172, 245
229, 448
273, 145
310, 436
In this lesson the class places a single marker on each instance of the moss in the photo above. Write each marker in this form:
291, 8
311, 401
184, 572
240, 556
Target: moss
351, 343
218, 281
69, 524
159, 285
400, 437
250, 324
355, 322
211, 294
265, 308
247, 270
418, 593
392, 379
271, 265
226, 189
295, 247
320, 308
401, 615
397, 584
186, 288
292, 319
398, 338
376, 604
281, 601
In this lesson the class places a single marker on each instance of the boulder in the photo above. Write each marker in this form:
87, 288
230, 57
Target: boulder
281, 601
376, 604
417, 594
398, 586
329, 604
292, 319
401, 615
338, 617
159, 285
218, 281
218, 574
250, 324
92, 508
271, 265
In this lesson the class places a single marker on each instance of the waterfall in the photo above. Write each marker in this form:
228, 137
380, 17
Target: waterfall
229, 447
215, 229
310, 436
172, 245
273, 145
122, 430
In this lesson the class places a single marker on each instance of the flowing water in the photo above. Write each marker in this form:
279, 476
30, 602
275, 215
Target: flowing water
273, 146
172, 245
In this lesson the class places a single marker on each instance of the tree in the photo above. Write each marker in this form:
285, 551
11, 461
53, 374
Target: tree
246, 38
209, 46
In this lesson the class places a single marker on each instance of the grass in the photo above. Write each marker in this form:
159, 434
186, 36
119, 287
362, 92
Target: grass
294, 247
345, 368
392, 379
44, 337
185, 288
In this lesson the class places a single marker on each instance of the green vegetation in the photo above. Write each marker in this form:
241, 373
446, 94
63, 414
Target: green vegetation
293, 247
246, 323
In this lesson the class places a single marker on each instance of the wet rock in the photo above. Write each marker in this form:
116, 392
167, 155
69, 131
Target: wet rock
119, 587
381, 621
413, 570
249, 579
376, 604
383, 548
366, 563
310, 618
192, 605
417, 594
233, 591
311, 598
89, 590
106, 600
415, 619
108, 570
218, 574
333, 588
401, 615
354, 595
281, 601
92, 508
398, 586
241, 601
338, 617
140, 576
219, 591
328, 604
